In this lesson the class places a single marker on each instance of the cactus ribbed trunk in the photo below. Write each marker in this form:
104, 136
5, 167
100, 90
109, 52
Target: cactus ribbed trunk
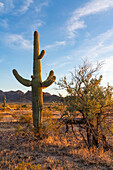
37, 104
37, 94
36, 84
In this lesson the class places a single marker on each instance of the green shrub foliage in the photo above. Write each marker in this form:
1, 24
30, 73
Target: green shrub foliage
88, 105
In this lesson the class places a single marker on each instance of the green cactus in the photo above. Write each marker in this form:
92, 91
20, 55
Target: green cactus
36, 84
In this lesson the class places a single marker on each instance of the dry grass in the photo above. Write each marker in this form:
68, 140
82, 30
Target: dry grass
20, 149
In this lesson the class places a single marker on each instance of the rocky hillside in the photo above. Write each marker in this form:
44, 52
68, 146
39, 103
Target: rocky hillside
19, 96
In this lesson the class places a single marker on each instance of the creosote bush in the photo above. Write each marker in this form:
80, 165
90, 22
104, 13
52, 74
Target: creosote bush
27, 165
88, 106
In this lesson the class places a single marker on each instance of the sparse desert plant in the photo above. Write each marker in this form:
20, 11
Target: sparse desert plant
25, 119
36, 84
27, 165
22, 149
15, 116
1, 116
88, 106
58, 106
24, 106
25, 128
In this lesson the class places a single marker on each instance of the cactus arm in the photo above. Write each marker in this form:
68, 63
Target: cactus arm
23, 81
48, 82
51, 74
50, 79
41, 54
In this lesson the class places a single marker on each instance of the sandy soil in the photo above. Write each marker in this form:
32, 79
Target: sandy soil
19, 149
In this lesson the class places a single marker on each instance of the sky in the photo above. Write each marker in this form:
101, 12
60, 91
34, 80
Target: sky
69, 31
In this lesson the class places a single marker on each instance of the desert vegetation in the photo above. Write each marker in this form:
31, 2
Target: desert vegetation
37, 84
77, 132
88, 106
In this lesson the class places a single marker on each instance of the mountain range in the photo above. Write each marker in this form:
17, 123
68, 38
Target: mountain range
19, 96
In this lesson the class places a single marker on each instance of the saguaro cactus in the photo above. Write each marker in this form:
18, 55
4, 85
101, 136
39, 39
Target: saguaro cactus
4, 101
36, 83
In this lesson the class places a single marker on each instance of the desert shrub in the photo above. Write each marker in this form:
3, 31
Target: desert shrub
7, 108
58, 106
1, 116
25, 125
26, 118
88, 105
48, 122
24, 106
15, 116
27, 165
18, 107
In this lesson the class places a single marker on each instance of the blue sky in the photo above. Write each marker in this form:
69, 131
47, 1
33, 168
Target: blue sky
69, 30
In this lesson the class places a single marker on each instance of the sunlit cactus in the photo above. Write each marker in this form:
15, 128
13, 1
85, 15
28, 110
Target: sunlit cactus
36, 84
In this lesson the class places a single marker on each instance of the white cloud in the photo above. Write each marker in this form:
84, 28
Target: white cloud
97, 47
16, 40
107, 71
41, 5
37, 24
1, 5
26, 6
92, 7
56, 44
7, 6
73, 27
60, 62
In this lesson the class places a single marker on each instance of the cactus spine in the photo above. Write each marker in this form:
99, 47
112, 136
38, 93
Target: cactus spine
36, 84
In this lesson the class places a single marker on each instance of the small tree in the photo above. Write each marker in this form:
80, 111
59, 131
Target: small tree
87, 105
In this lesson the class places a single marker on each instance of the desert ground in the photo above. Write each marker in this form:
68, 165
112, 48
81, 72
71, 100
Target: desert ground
21, 150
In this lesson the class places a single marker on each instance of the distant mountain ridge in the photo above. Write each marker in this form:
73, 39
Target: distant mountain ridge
19, 96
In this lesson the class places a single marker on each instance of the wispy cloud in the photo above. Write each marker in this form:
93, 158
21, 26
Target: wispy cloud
96, 48
26, 6
1, 5
41, 5
99, 46
60, 63
7, 6
93, 7
16, 40
56, 44
37, 24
